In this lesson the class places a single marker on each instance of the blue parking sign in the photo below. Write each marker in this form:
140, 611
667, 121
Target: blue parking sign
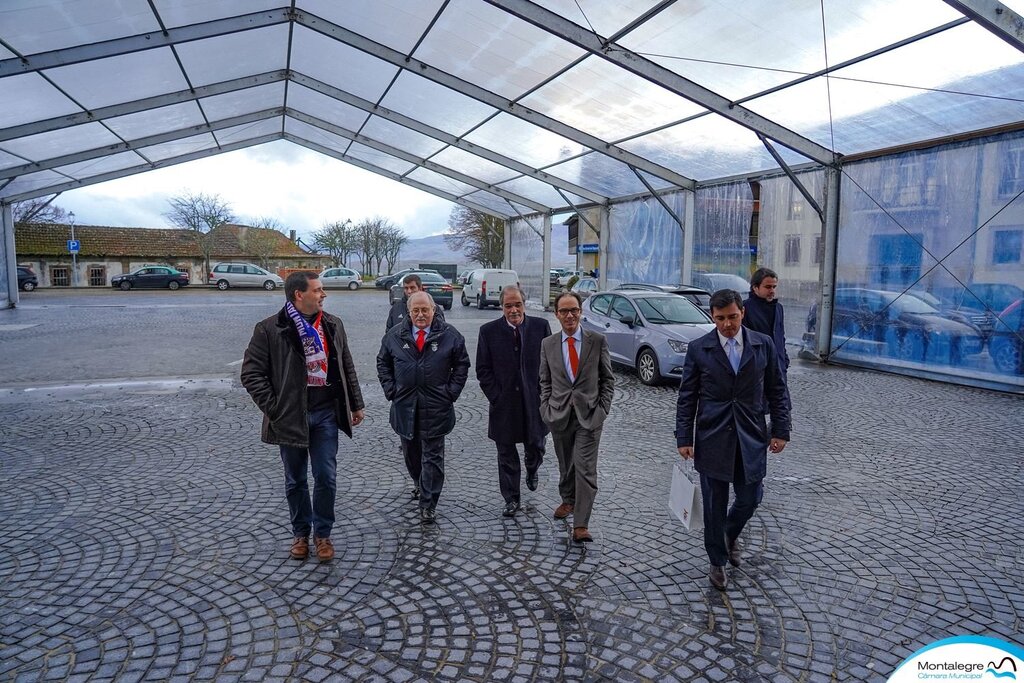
73, 246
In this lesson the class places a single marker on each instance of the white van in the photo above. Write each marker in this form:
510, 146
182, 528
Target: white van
484, 286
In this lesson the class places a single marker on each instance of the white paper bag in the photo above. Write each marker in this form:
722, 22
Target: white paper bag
684, 499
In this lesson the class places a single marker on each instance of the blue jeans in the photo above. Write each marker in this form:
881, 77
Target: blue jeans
322, 456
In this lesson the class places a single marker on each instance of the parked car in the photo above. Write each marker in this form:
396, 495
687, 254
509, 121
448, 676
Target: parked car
1006, 345
150, 277
484, 285
585, 286
435, 285
226, 275
563, 279
554, 274
388, 281
461, 279
27, 280
901, 326
649, 331
346, 278
712, 282
979, 302
695, 295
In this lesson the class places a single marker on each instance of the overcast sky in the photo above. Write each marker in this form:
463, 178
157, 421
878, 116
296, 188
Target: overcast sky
299, 187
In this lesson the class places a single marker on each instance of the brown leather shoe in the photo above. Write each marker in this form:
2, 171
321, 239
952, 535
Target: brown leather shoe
324, 549
718, 578
563, 511
300, 548
735, 557
581, 535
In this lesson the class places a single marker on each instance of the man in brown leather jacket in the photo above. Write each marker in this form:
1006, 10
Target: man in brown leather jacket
299, 372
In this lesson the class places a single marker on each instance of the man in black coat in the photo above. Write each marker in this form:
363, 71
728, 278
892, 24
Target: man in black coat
299, 371
730, 376
508, 369
763, 313
423, 367
399, 310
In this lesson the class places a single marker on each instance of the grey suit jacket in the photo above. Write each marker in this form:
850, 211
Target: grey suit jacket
590, 395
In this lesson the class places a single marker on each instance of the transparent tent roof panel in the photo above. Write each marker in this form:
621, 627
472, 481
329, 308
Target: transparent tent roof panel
185, 12
244, 101
28, 97
606, 18
497, 204
379, 159
739, 49
318, 135
395, 23
434, 179
116, 79
33, 181
473, 165
539, 191
93, 167
600, 98
153, 121
463, 43
325, 108
601, 173
168, 150
337, 64
59, 142
399, 136
9, 160
235, 55
45, 25
530, 144
249, 130
435, 104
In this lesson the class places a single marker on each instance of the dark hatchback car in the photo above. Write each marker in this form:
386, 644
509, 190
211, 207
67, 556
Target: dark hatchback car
150, 277
695, 295
433, 284
389, 281
27, 280
901, 326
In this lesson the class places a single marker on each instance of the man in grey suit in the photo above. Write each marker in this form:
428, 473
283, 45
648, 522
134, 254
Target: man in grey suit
576, 388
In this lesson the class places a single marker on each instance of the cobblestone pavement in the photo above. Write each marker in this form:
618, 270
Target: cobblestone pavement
144, 536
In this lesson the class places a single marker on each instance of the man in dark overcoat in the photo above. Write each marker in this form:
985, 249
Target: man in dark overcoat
763, 312
508, 369
730, 377
423, 367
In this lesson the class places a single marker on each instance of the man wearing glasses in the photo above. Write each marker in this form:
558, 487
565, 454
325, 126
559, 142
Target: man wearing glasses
508, 367
576, 388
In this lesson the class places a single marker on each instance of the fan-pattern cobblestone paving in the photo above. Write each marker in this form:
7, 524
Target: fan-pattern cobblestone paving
143, 536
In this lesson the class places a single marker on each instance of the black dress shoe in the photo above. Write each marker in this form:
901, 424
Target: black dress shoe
531, 481
511, 508
427, 515
415, 492
735, 558
718, 578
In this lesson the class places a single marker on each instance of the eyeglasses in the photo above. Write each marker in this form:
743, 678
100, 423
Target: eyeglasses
568, 311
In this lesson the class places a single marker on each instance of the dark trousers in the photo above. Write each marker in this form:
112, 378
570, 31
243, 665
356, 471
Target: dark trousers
322, 458
576, 449
509, 473
424, 458
724, 524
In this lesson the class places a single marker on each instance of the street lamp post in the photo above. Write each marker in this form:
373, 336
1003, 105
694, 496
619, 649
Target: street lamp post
74, 254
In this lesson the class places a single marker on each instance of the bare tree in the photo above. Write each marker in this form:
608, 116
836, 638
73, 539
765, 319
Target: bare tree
338, 239
366, 242
479, 236
200, 213
261, 238
38, 211
394, 240
378, 230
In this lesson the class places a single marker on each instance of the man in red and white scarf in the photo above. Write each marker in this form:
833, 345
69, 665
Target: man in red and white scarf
299, 371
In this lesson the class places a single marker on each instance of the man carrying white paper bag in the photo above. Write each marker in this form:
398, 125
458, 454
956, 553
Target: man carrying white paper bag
730, 377
684, 499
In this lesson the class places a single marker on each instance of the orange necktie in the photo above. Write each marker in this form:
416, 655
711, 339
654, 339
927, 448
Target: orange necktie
420, 339
574, 359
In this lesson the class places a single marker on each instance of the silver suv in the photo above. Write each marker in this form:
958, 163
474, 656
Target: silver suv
226, 275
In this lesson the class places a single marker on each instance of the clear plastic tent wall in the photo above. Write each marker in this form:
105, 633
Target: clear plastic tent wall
929, 277
645, 243
527, 256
